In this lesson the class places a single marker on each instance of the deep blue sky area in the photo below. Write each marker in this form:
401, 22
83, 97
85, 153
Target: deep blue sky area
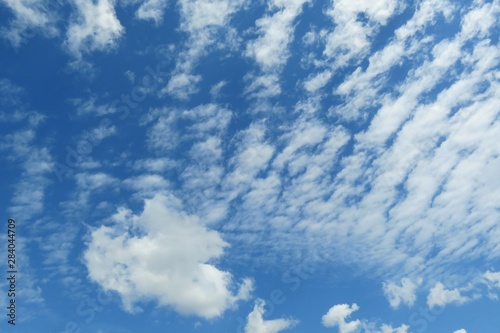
250, 167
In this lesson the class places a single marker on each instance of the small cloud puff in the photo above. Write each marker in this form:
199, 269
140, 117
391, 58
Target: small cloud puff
401, 294
440, 296
337, 315
256, 323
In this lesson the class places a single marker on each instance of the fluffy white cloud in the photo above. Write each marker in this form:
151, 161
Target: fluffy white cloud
94, 27
257, 324
165, 255
404, 293
389, 329
461, 331
152, 10
440, 296
337, 316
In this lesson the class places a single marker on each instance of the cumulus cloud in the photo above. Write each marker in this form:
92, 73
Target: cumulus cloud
337, 317
440, 296
401, 294
389, 329
166, 255
257, 324
152, 10
94, 27
461, 331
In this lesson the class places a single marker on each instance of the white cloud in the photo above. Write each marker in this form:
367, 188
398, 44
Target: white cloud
97, 134
147, 185
419, 170
94, 27
199, 122
404, 293
257, 324
362, 88
35, 165
88, 181
461, 331
351, 38
389, 329
271, 49
440, 296
90, 106
492, 281
182, 85
163, 135
493, 278
318, 81
203, 21
26, 150
216, 88
89, 184
30, 16
337, 317
165, 255
252, 156
152, 10
155, 164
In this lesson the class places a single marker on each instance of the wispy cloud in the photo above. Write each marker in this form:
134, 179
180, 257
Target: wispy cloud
271, 49
203, 21
30, 17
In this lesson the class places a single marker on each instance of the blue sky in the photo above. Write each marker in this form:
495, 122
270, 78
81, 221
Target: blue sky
252, 166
